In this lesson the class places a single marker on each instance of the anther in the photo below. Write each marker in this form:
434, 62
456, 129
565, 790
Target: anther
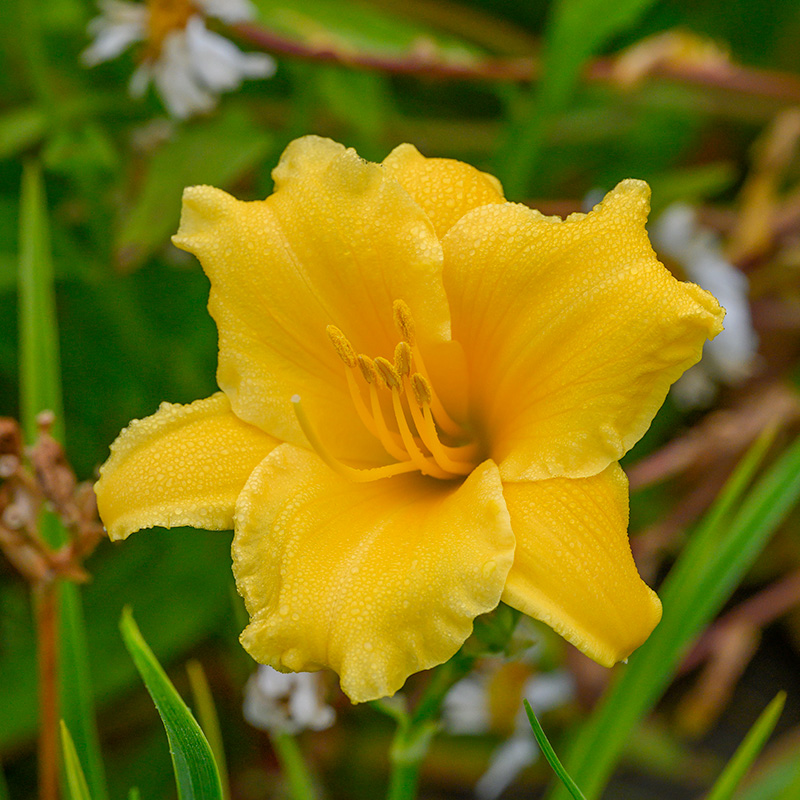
367, 367
422, 389
342, 345
387, 372
402, 358
404, 321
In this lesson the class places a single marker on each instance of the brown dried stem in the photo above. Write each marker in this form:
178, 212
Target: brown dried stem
425, 61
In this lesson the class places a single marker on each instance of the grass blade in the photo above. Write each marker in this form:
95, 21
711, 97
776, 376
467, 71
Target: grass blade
40, 389
748, 750
550, 754
76, 780
697, 587
209, 720
40, 364
576, 30
196, 772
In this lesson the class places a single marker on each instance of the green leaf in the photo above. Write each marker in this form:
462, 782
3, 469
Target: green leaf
76, 781
40, 378
209, 720
748, 750
550, 754
715, 559
576, 31
20, 129
349, 26
41, 390
196, 772
216, 151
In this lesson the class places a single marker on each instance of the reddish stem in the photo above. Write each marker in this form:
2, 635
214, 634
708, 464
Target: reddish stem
46, 603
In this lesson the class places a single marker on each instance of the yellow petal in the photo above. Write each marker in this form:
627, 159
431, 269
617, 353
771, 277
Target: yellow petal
375, 580
336, 244
573, 331
573, 567
446, 189
184, 465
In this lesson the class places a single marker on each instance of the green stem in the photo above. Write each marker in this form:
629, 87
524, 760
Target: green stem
415, 732
293, 766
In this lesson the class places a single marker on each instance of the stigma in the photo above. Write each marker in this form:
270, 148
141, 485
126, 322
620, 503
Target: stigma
397, 402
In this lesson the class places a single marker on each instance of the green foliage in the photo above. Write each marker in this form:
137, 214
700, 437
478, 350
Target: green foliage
721, 549
550, 754
195, 770
76, 780
748, 751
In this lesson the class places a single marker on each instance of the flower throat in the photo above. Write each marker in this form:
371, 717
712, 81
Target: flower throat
412, 432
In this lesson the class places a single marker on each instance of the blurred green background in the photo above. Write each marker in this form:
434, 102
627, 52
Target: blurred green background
134, 329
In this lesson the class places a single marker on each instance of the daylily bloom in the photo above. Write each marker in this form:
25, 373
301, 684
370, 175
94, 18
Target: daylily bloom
425, 390
189, 64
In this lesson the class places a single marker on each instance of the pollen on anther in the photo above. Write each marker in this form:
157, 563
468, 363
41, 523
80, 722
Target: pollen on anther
402, 358
422, 389
342, 345
367, 367
404, 321
386, 370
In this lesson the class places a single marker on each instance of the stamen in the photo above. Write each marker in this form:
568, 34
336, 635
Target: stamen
385, 436
367, 367
358, 402
423, 464
402, 358
351, 473
342, 345
387, 372
458, 460
422, 390
404, 321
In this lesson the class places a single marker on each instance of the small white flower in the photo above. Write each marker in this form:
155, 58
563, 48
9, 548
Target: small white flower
189, 64
467, 710
729, 358
290, 702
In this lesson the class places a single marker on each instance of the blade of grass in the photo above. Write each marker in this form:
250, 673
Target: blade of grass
576, 30
550, 754
76, 780
696, 588
196, 772
209, 719
748, 750
40, 389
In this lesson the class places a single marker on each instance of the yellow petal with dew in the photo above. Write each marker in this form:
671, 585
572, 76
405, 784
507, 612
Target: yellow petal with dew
446, 189
184, 465
375, 580
573, 567
573, 331
336, 244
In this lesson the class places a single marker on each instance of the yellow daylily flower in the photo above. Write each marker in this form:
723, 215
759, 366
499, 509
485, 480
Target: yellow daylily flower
425, 391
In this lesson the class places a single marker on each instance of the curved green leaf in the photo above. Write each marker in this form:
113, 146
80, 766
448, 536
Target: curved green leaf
196, 772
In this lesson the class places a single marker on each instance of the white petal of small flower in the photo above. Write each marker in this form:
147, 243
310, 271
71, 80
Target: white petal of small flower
506, 763
176, 79
286, 702
218, 63
119, 25
229, 11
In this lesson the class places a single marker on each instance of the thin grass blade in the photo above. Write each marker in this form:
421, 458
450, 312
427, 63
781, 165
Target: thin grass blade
209, 719
76, 780
748, 750
40, 388
550, 754
196, 772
